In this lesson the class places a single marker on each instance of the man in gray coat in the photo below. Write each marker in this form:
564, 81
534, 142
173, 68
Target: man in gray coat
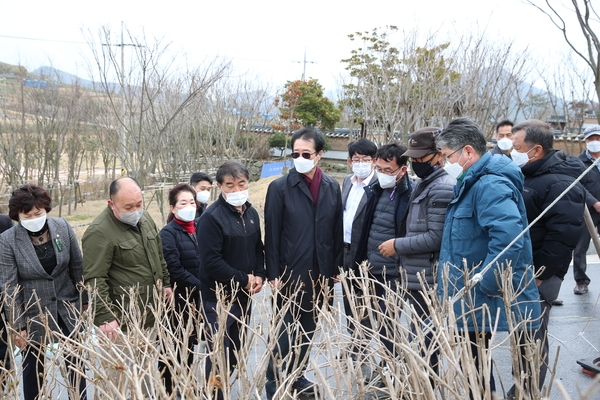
421, 230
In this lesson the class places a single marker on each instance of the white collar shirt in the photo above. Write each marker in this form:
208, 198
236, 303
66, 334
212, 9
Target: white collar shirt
356, 193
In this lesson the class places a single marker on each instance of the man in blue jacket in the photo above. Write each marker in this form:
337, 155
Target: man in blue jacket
486, 214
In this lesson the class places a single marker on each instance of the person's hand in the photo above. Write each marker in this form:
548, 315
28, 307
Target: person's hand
275, 284
21, 340
168, 293
596, 206
258, 284
387, 248
110, 330
250, 285
336, 279
538, 282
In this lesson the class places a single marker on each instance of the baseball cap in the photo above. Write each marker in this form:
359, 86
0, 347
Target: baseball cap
591, 130
422, 142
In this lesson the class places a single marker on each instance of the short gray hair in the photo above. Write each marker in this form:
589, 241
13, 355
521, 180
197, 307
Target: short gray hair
461, 132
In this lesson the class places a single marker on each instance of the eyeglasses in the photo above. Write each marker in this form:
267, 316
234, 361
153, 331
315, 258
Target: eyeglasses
354, 160
304, 155
387, 171
453, 153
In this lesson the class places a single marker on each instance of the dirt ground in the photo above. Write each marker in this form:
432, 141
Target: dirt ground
86, 212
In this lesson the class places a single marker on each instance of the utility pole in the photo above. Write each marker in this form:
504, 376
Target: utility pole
122, 45
304, 66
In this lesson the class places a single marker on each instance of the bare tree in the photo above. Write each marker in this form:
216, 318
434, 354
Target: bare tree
142, 107
586, 28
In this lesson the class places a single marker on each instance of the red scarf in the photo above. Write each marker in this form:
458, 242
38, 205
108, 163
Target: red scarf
314, 184
188, 226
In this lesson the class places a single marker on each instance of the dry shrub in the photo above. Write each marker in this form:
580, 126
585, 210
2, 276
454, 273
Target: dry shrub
129, 368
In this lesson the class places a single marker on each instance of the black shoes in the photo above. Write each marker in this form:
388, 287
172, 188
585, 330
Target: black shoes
302, 385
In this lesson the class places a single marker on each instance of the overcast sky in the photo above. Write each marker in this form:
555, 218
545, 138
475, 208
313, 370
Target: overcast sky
265, 37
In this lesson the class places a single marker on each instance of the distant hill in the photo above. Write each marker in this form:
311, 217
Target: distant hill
8, 69
57, 75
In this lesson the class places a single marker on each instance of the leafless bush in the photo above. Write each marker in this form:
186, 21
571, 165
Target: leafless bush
129, 367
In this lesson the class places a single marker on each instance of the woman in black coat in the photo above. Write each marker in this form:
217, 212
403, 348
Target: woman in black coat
180, 249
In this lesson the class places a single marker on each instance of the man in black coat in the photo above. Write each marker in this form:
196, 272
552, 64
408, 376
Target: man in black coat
303, 251
231, 251
548, 173
592, 141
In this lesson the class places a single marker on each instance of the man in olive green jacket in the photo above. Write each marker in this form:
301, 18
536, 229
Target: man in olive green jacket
122, 250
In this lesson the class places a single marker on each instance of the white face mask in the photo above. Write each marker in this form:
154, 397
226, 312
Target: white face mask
505, 144
34, 224
593, 146
237, 199
454, 169
386, 181
520, 158
362, 169
187, 213
203, 196
131, 218
303, 165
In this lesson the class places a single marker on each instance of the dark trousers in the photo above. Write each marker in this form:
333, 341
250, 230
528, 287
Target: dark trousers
33, 369
481, 340
237, 319
181, 353
549, 290
182, 309
356, 308
417, 300
579, 257
298, 329
386, 327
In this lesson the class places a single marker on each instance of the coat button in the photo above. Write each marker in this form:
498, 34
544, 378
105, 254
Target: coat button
50, 279
53, 299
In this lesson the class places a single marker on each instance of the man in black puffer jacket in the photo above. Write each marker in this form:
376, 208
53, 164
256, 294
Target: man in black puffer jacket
231, 250
548, 173
387, 202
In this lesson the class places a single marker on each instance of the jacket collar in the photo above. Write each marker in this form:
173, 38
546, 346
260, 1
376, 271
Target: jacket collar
26, 246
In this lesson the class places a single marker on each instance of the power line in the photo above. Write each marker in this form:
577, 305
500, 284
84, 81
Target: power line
40, 39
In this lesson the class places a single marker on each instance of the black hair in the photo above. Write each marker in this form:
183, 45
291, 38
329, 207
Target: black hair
235, 169
200, 177
363, 147
27, 197
393, 151
536, 132
309, 134
504, 122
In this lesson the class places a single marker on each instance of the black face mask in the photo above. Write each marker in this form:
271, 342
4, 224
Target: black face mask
423, 169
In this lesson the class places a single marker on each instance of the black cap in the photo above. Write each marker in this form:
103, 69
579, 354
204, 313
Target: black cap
422, 142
